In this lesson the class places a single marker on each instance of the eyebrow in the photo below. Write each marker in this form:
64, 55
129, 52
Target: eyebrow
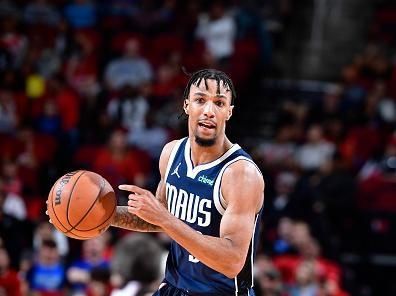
204, 94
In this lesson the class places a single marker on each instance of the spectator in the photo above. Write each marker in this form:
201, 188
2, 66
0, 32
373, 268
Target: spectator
99, 283
81, 14
14, 204
10, 284
218, 30
15, 232
12, 181
10, 38
118, 163
277, 153
306, 280
301, 234
45, 231
33, 153
47, 275
151, 138
49, 122
284, 186
93, 256
129, 109
377, 182
82, 67
283, 243
169, 80
268, 278
67, 101
309, 251
131, 69
311, 155
137, 264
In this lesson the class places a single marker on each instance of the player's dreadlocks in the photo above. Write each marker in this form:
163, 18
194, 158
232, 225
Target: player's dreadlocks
206, 74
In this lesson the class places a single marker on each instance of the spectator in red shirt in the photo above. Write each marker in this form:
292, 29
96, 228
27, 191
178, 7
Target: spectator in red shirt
378, 181
10, 284
118, 163
82, 67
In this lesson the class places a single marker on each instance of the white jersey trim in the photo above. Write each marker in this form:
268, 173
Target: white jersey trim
172, 157
219, 201
192, 172
252, 252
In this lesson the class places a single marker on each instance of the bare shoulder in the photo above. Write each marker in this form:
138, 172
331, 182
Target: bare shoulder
243, 178
244, 169
165, 154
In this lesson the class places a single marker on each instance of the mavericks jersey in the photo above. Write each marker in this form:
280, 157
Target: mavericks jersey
194, 196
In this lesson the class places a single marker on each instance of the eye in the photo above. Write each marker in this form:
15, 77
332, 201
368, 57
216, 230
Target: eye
220, 103
200, 100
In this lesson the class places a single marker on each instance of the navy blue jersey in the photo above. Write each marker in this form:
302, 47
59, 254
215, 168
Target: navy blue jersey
194, 196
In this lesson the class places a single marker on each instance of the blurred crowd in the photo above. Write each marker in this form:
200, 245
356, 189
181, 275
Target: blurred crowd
98, 85
331, 176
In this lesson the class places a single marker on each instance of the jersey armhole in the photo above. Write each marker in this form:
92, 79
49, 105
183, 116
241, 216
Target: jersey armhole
219, 201
172, 157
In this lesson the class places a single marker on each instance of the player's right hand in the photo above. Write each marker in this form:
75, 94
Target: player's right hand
143, 204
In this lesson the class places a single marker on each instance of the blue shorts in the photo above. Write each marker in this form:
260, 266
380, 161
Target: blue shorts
167, 289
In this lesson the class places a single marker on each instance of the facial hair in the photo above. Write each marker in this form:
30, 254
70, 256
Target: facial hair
205, 142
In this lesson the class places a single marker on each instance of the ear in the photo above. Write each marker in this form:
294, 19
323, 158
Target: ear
185, 106
230, 112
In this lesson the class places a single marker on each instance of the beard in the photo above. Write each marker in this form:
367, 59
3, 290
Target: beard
205, 142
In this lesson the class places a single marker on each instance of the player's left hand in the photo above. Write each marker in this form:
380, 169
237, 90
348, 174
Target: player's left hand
145, 205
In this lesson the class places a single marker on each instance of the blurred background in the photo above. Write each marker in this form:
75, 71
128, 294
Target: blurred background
98, 85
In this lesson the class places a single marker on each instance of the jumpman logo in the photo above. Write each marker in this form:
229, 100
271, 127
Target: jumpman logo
176, 171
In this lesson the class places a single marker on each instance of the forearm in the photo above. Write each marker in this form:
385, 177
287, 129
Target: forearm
217, 253
126, 220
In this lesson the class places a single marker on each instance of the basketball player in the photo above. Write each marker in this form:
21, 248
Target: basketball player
208, 200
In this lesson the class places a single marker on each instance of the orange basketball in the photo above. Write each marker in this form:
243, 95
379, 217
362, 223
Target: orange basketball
81, 204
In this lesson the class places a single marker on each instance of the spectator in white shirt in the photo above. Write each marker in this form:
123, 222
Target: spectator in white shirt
316, 151
217, 29
130, 69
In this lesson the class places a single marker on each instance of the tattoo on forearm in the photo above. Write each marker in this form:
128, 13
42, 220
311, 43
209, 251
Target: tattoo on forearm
126, 220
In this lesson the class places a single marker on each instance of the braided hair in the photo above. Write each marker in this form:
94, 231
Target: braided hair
205, 74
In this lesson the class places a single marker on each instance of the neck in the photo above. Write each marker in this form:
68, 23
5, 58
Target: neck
200, 154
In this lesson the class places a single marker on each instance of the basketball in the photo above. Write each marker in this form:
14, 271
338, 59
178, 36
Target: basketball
81, 204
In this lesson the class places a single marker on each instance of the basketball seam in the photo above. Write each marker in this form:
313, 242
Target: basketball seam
88, 210
112, 213
53, 209
68, 200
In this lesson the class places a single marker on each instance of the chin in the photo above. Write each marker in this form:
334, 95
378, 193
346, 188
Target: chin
205, 142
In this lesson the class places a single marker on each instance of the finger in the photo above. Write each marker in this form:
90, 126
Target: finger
132, 188
133, 196
132, 203
50, 221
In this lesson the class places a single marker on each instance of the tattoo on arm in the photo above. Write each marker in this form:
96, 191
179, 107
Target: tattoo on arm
126, 220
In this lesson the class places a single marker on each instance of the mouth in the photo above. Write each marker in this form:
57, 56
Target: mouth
207, 124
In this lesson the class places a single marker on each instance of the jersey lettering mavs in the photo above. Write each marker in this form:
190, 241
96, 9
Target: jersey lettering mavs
194, 196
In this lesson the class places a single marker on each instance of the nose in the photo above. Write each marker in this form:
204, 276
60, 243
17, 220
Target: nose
209, 109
